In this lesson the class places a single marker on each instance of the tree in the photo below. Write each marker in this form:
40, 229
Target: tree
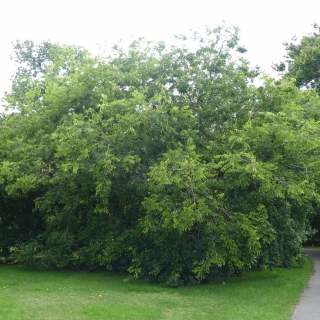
164, 162
303, 64
303, 60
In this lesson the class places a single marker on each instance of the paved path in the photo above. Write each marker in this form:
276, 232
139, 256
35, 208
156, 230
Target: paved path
308, 307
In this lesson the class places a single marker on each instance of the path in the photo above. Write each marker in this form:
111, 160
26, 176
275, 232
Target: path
308, 307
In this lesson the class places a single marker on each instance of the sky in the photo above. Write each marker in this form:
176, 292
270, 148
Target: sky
264, 24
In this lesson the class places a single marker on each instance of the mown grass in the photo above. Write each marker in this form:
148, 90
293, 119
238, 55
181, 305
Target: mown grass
37, 294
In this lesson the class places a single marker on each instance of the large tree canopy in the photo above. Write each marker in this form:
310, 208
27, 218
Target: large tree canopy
162, 161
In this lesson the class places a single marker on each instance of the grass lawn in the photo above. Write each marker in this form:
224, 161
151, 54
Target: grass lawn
33, 294
310, 247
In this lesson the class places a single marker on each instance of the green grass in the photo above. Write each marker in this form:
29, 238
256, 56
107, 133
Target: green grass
34, 294
312, 247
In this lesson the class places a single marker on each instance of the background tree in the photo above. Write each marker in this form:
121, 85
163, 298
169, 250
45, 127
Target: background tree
303, 60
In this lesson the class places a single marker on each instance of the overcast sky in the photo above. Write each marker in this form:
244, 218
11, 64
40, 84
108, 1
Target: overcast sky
264, 24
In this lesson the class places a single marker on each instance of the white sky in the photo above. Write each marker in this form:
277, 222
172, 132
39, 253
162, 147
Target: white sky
264, 24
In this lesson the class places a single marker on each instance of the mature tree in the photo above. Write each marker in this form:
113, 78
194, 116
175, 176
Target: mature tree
164, 162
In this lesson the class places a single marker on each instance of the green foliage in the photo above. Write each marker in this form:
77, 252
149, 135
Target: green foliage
164, 162
303, 60
303, 64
